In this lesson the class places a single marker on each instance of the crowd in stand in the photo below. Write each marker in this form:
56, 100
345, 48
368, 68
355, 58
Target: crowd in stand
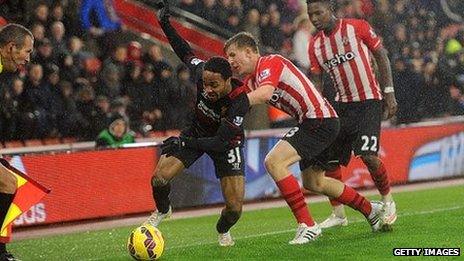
79, 76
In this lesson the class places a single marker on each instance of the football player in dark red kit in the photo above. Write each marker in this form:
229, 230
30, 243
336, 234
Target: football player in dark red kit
275, 80
216, 129
341, 48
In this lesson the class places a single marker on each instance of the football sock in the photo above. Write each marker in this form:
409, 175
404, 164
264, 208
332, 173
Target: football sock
161, 197
381, 180
339, 210
335, 174
291, 192
227, 220
353, 199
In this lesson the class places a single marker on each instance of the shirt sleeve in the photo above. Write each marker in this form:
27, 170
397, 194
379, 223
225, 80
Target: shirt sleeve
367, 34
269, 71
315, 67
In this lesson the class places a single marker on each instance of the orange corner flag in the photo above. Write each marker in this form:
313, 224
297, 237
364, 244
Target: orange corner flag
28, 193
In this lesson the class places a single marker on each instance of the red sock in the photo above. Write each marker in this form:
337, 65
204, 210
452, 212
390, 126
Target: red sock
291, 192
335, 174
353, 199
381, 180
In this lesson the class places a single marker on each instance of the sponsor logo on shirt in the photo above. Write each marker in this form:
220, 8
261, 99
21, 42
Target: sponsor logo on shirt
339, 59
238, 120
196, 61
264, 74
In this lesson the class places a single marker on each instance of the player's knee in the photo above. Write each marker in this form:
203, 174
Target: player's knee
271, 163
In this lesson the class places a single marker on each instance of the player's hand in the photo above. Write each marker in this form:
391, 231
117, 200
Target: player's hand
390, 106
163, 10
171, 146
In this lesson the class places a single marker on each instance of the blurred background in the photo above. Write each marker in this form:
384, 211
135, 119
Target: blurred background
94, 58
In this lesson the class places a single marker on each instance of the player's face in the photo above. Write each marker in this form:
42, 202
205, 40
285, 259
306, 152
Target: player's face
240, 59
320, 15
18, 57
215, 86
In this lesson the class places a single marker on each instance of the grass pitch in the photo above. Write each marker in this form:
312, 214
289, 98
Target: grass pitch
427, 218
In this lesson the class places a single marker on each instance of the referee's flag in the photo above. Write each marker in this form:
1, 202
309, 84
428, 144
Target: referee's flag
28, 193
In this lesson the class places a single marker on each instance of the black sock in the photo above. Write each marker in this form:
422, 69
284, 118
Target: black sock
161, 197
2, 248
226, 221
5, 202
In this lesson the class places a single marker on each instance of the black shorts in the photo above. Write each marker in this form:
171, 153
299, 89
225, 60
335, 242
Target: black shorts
359, 130
227, 163
311, 140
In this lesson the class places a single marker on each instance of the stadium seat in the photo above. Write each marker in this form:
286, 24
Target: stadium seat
51, 141
14, 144
92, 65
30, 143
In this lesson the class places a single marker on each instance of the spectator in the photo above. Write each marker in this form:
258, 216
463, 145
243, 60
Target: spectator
57, 39
300, 43
252, 23
37, 92
69, 120
117, 133
456, 104
155, 57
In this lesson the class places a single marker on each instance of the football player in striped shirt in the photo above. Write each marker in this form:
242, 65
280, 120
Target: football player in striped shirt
341, 48
275, 80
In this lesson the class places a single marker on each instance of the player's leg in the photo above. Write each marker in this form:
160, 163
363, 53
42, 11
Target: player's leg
339, 153
338, 215
233, 190
277, 163
7, 192
229, 166
367, 146
315, 180
166, 169
300, 142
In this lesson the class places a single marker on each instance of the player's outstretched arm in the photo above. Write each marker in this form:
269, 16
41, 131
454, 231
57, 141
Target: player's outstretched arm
180, 46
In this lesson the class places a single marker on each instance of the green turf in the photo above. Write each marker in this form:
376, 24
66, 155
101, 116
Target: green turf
428, 218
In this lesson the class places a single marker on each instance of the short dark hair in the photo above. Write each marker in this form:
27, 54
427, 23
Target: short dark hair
242, 39
219, 65
330, 3
14, 33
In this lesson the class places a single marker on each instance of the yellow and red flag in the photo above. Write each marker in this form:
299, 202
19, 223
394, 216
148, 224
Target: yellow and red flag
28, 193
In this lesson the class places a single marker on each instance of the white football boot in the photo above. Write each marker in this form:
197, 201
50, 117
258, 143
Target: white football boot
305, 234
375, 218
390, 213
156, 217
333, 221
225, 239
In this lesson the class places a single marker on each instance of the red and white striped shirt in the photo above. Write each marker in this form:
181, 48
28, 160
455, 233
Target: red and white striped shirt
344, 54
294, 93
